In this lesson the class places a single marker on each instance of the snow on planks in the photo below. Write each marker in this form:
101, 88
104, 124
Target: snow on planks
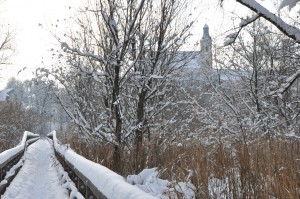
38, 177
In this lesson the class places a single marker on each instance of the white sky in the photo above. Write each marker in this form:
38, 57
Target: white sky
33, 43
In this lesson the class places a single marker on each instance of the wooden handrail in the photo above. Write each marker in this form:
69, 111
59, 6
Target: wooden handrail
87, 182
11, 157
83, 184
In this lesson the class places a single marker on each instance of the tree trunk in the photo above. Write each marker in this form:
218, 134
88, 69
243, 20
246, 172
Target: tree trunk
117, 160
139, 160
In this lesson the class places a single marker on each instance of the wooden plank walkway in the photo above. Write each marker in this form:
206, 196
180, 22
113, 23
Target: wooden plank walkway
38, 177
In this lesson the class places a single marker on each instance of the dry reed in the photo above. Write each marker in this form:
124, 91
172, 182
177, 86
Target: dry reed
264, 168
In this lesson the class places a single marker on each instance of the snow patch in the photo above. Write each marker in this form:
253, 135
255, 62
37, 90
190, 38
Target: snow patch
148, 180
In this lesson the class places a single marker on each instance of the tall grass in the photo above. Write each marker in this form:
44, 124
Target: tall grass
4, 145
262, 169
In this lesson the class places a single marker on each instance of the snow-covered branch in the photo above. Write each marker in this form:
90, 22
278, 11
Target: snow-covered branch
244, 22
287, 84
289, 30
66, 47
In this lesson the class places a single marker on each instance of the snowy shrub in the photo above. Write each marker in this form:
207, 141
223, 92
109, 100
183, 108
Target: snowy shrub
148, 180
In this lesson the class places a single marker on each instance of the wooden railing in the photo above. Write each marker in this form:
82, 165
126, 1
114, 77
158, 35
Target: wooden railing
11, 157
92, 180
83, 184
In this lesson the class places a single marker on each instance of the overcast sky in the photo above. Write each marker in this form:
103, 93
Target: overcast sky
33, 43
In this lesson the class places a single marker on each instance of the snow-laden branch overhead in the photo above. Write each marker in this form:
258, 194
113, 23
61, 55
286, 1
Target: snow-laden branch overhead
291, 31
288, 3
244, 22
288, 83
66, 47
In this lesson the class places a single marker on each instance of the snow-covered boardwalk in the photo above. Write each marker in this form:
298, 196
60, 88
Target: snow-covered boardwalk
38, 177
43, 177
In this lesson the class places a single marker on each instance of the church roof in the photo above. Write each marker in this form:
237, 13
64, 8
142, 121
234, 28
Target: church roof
189, 59
4, 94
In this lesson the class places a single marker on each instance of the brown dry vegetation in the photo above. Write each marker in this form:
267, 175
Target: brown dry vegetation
14, 120
4, 145
264, 168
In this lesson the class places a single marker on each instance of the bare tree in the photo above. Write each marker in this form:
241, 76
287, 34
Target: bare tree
251, 68
6, 48
289, 26
6, 40
121, 58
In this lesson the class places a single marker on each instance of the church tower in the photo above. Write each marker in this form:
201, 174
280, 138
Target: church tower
206, 48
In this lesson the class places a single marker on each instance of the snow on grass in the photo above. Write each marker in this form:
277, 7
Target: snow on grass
112, 185
148, 180
186, 189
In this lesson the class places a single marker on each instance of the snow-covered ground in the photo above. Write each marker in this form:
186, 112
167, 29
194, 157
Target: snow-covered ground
38, 178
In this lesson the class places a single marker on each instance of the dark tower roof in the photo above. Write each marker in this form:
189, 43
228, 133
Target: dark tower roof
206, 31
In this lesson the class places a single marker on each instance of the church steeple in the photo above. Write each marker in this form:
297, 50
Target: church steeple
206, 31
206, 48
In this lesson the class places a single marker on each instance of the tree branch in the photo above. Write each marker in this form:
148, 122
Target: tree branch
290, 31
